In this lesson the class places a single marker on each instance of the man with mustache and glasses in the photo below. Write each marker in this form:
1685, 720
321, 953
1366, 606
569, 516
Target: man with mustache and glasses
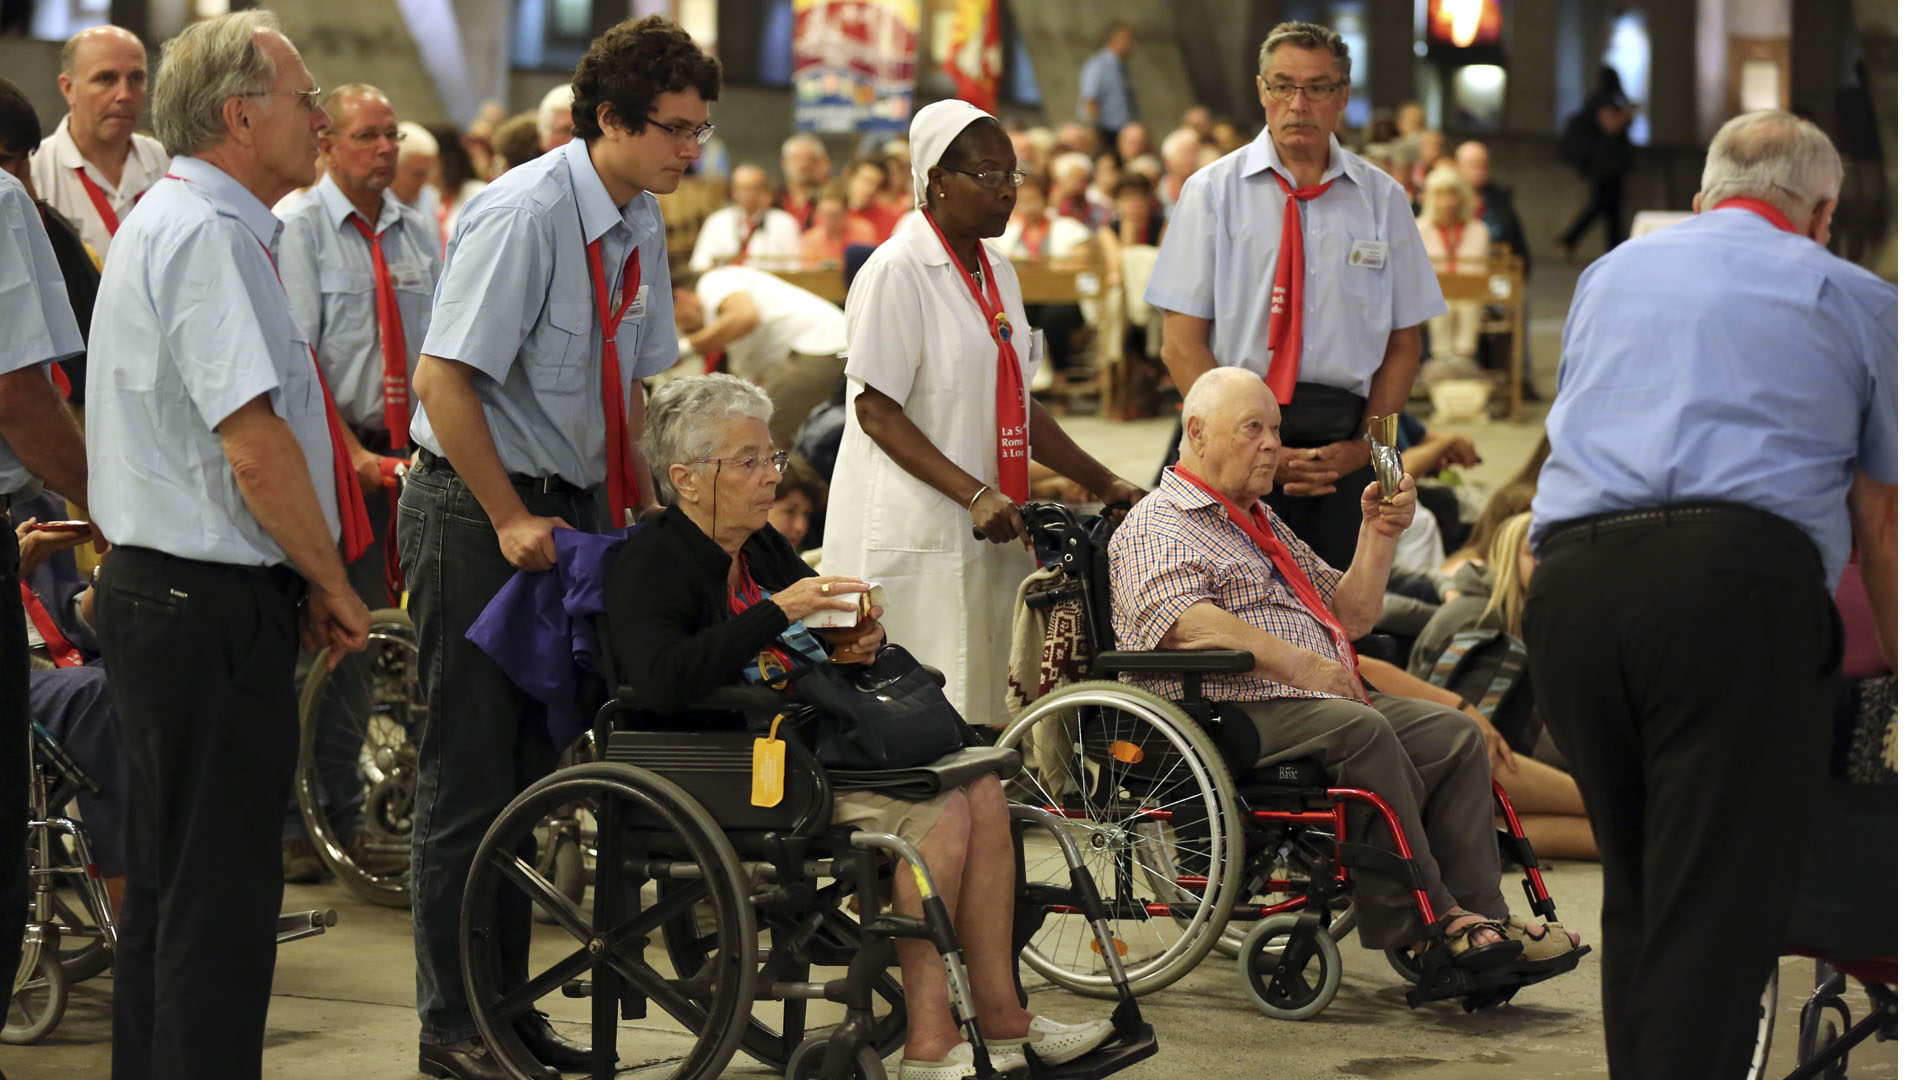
94, 166
1294, 258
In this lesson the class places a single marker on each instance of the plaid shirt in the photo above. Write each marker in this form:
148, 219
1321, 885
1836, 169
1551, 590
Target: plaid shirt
1177, 548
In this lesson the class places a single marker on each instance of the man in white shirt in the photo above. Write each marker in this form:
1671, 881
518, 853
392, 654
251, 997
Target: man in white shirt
751, 229
94, 167
779, 335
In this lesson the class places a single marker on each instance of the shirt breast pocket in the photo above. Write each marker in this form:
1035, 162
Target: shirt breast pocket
558, 348
300, 392
1365, 277
631, 332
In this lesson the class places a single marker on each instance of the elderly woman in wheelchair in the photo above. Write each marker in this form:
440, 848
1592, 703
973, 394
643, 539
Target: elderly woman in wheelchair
708, 595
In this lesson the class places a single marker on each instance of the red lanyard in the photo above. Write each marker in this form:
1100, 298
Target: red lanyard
393, 340
1450, 240
1285, 331
1765, 210
100, 203
356, 530
1010, 388
623, 489
59, 649
741, 258
1260, 531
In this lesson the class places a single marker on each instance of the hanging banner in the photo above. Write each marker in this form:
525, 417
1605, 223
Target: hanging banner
853, 64
973, 53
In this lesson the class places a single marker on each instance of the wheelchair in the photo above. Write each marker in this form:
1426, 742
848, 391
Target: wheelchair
70, 930
1186, 836
703, 902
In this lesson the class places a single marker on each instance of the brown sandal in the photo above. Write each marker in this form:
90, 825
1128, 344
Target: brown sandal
1471, 957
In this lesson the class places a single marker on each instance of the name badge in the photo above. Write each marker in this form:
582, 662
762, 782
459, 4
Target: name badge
638, 312
1371, 254
411, 276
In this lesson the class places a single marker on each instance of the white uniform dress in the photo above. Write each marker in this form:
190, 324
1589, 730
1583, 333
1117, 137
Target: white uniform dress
916, 335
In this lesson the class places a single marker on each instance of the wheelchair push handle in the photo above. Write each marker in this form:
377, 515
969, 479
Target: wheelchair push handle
1036, 516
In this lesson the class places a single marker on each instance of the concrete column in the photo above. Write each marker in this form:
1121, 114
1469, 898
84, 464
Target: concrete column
1532, 31
1390, 52
1815, 62
1671, 89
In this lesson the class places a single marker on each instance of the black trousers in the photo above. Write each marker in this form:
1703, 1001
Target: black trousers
1686, 670
202, 658
1604, 197
15, 753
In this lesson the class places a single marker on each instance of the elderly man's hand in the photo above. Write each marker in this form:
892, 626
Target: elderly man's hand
1316, 470
1392, 517
1324, 676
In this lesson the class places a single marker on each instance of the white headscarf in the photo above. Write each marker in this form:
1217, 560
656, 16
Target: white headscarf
932, 131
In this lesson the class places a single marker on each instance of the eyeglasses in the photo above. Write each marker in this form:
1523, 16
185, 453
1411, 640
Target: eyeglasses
309, 98
374, 135
996, 179
682, 133
749, 462
1315, 92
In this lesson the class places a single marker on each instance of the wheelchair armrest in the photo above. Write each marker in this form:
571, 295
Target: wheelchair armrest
1173, 662
743, 699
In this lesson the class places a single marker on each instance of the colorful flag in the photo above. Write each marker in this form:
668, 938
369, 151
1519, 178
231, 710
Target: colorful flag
853, 64
973, 53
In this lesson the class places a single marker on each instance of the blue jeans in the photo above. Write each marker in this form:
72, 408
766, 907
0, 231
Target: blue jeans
485, 741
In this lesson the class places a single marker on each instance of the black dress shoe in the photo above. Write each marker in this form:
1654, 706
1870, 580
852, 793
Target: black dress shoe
467, 1060
548, 1047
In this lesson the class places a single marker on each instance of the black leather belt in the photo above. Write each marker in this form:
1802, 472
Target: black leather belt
429, 462
1691, 513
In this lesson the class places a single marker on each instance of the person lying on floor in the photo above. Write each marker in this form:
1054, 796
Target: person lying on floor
1201, 563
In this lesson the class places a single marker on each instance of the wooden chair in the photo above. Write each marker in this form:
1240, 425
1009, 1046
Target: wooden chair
1501, 288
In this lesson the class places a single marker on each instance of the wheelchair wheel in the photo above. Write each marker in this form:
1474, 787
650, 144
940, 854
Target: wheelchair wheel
1767, 1013
372, 759
1289, 980
1151, 806
809, 1063
658, 853
39, 997
1290, 868
83, 947
692, 940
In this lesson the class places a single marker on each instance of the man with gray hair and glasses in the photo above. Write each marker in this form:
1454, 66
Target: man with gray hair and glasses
217, 472
1299, 261
1725, 434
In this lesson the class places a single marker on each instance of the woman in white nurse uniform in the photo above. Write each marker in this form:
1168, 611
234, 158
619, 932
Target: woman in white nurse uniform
941, 425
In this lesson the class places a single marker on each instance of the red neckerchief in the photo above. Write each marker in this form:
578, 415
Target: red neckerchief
1773, 215
356, 529
396, 404
1260, 531
100, 204
1289, 278
61, 651
801, 209
1010, 388
623, 486
741, 258
748, 594
1450, 240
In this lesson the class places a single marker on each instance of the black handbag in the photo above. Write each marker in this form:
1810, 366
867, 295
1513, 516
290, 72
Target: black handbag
890, 714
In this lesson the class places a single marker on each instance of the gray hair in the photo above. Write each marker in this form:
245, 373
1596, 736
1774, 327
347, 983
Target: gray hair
684, 419
806, 139
200, 68
1773, 156
1209, 394
331, 103
558, 99
1306, 35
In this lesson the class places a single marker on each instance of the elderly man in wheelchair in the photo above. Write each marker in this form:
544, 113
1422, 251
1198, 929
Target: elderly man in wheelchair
1202, 564
737, 847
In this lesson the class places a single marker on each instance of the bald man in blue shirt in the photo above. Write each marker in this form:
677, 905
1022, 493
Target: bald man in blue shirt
1724, 434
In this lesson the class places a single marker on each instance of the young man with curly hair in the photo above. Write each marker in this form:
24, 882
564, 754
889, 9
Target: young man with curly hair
554, 304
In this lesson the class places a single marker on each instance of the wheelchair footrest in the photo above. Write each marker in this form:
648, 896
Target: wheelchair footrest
1480, 990
1131, 1043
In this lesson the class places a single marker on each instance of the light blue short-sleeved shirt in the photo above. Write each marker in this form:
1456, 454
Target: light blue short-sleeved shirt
190, 324
328, 270
515, 303
1223, 243
36, 324
1724, 359
1103, 81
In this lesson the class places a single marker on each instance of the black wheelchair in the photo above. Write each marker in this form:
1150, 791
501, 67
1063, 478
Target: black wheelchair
702, 903
1186, 835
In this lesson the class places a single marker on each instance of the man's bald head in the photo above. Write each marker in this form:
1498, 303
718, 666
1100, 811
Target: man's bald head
1230, 433
1218, 392
103, 77
1472, 160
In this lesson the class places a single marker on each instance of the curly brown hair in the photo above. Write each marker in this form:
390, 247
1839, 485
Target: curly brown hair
631, 65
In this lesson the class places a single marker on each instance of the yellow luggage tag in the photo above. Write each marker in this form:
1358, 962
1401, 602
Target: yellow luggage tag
769, 767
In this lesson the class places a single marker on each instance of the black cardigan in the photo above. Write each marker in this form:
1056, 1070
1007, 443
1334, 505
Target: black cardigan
672, 639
